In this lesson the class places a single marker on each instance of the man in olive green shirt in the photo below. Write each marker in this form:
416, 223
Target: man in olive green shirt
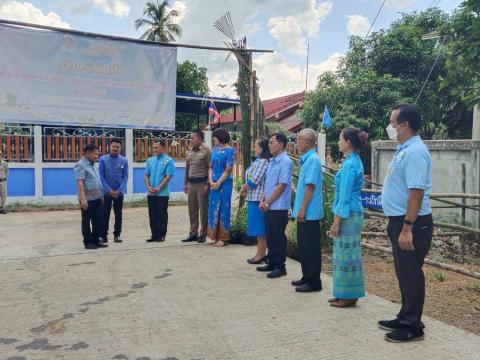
3, 184
196, 186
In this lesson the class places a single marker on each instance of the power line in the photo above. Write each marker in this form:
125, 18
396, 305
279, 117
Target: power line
376, 16
431, 69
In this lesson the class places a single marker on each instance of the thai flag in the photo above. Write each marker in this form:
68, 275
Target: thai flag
213, 114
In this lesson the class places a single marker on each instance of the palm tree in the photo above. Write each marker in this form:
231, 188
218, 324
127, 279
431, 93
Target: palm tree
160, 23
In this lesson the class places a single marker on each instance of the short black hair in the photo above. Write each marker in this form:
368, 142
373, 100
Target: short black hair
89, 148
222, 135
410, 113
160, 142
200, 134
281, 138
115, 140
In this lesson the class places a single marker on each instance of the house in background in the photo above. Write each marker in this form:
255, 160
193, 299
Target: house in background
280, 110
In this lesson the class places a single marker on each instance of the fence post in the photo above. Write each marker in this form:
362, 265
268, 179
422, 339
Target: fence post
129, 148
208, 139
38, 160
322, 145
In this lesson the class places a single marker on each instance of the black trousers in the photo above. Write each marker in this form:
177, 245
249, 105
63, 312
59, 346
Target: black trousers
158, 215
117, 210
308, 242
275, 223
408, 267
92, 222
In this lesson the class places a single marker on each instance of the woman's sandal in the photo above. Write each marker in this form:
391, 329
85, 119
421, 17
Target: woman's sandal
219, 243
344, 303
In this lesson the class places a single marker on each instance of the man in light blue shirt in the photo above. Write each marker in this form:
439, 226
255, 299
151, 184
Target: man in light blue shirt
159, 171
406, 201
275, 203
308, 210
113, 169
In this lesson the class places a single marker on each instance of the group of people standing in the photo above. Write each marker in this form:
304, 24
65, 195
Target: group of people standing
268, 191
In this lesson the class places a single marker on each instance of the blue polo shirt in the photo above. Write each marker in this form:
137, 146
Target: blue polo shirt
159, 167
279, 171
411, 168
310, 174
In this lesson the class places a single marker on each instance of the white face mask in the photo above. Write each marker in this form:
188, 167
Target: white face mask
392, 133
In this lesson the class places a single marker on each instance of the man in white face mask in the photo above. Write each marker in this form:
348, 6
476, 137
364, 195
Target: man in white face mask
406, 202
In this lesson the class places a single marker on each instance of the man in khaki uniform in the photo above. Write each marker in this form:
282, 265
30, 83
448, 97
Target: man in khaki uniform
3, 184
196, 186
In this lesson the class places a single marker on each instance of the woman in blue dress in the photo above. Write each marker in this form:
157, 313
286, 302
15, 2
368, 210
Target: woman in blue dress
221, 186
253, 190
348, 282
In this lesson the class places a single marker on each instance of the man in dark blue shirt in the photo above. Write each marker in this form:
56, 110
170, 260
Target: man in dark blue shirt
113, 169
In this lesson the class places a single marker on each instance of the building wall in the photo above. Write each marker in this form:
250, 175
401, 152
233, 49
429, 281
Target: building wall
448, 159
46, 182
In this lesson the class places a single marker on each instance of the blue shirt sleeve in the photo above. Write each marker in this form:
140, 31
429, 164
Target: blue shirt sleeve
342, 208
417, 170
312, 171
258, 174
231, 158
170, 171
101, 170
123, 184
147, 168
79, 171
285, 174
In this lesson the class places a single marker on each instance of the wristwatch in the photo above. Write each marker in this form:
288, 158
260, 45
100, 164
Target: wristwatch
408, 222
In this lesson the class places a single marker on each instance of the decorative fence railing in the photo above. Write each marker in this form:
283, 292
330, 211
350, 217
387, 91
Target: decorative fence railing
16, 143
66, 144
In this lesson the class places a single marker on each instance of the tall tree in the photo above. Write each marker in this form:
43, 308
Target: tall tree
160, 22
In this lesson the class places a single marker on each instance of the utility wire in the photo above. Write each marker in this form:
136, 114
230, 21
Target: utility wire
376, 16
431, 69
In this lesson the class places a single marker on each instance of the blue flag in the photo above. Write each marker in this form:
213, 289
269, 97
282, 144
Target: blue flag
327, 120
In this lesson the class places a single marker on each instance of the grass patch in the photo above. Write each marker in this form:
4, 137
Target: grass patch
21, 207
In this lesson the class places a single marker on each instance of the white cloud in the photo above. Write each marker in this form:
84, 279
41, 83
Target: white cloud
119, 8
28, 12
288, 32
291, 31
399, 4
357, 25
181, 9
278, 77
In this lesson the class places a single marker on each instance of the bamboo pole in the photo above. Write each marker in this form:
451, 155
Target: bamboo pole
435, 223
434, 263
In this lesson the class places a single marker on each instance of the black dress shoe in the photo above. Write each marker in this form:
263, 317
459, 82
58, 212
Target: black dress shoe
102, 245
91, 247
276, 273
162, 239
104, 239
201, 239
403, 335
190, 239
298, 282
305, 288
256, 262
151, 240
265, 268
117, 239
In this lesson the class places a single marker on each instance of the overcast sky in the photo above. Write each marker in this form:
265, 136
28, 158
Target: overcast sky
285, 26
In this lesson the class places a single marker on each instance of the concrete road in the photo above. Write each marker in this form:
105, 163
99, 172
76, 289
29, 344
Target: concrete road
172, 301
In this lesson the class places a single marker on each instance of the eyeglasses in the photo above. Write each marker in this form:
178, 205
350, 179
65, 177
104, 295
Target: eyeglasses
272, 142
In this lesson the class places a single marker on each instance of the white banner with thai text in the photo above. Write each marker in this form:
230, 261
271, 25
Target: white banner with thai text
55, 78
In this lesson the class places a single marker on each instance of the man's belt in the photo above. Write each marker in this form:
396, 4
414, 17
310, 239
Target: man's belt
2, 180
197, 180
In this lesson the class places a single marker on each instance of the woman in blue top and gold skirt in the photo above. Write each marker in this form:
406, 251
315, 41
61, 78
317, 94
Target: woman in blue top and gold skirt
221, 187
348, 282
